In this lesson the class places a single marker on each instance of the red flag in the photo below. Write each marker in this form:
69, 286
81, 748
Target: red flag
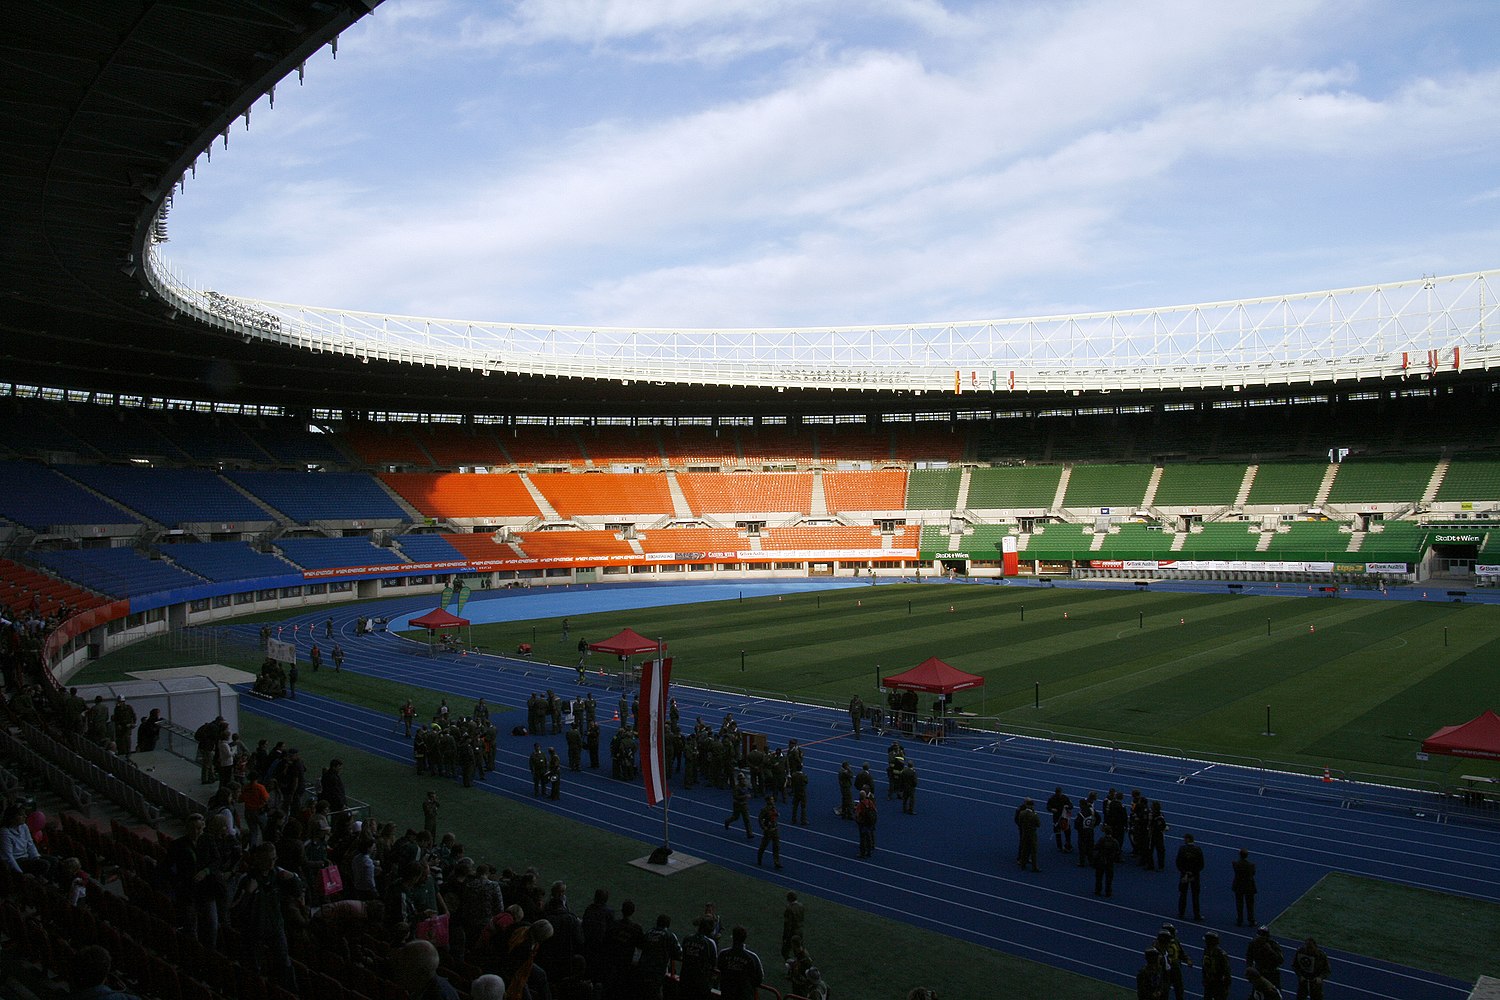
656, 675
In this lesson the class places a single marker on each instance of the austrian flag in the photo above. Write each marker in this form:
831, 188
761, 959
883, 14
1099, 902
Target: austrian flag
656, 675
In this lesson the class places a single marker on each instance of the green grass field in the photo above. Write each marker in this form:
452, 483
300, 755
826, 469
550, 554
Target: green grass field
1351, 684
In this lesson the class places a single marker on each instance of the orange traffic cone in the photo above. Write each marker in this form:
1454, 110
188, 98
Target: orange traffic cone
1065, 616
1327, 777
1312, 628
617, 715
1182, 621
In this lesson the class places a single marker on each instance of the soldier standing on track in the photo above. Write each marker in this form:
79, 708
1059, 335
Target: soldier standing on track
538, 764
575, 747
741, 808
407, 713
1189, 876
1106, 853
1087, 821
419, 749
857, 714
865, 817
1264, 957
864, 781
1029, 823
338, 658
1310, 964
1244, 889
799, 797
591, 741
554, 775
316, 656
1216, 975
770, 832
909, 791
846, 792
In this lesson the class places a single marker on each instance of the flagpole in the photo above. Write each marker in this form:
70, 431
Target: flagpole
666, 802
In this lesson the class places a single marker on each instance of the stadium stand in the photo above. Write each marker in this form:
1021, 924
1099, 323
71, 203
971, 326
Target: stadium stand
41, 499
1137, 541
451, 446
628, 447
456, 495
882, 490
1014, 486
602, 495
171, 497
1473, 479
1108, 486
933, 489
571, 544
321, 496
335, 553
119, 572
1309, 540
1220, 540
1394, 542
544, 447
480, 546
220, 561
692, 540
1209, 484
428, 548
984, 541
211, 439
120, 433
1287, 484
1057, 541
686, 447
25, 588
828, 538
749, 492
291, 444
386, 444
1367, 481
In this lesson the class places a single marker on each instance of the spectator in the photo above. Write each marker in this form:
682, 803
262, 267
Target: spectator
18, 847
487, 987
332, 786
414, 966
740, 971
659, 950
89, 976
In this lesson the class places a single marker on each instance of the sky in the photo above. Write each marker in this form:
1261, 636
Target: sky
804, 163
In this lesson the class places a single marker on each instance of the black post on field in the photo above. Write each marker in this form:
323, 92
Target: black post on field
1023, 612
908, 607
1141, 618
742, 661
819, 599
533, 637
1268, 626
1268, 722
1445, 636
1038, 694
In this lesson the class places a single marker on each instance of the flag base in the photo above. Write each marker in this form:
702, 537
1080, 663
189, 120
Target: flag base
675, 862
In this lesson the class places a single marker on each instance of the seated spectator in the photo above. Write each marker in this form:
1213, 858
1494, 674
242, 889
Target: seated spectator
487, 987
89, 976
414, 967
18, 849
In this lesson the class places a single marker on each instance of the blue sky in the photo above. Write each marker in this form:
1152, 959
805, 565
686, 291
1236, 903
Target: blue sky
739, 163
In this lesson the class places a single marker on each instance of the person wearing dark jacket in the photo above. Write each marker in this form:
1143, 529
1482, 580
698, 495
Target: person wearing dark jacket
1264, 957
1244, 890
1189, 876
331, 790
1310, 964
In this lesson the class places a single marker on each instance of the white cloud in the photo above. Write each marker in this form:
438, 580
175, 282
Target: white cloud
916, 162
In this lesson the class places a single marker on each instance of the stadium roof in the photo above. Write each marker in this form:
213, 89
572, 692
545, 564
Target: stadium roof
108, 105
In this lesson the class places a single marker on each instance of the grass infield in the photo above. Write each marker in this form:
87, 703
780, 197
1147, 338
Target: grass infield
1350, 684
1452, 935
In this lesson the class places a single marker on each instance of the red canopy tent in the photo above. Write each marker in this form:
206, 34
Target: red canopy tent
627, 643
1478, 738
934, 676
436, 619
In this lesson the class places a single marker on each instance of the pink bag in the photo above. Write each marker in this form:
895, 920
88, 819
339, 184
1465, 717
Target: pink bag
332, 881
434, 929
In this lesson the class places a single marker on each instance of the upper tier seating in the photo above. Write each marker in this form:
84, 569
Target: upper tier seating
934, 489
465, 495
428, 548
929, 443
289, 442
1031, 486
209, 438
747, 492
220, 561
881, 490
1107, 486
37, 497
700, 445
633, 447
547, 446
386, 444
334, 553
1471, 479
778, 444
1288, 484
1369, 481
451, 445
119, 572
118, 434
573, 495
1209, 484
172, 497
322, 496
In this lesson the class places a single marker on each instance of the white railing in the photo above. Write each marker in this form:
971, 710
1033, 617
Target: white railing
1413, 328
